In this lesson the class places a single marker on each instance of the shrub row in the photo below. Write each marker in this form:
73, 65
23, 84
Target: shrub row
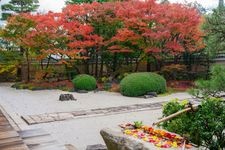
135, 84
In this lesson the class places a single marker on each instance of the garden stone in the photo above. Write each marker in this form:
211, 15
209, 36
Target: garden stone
116, 140
154, 94
82, 91
96, 147
66, 97
148, 96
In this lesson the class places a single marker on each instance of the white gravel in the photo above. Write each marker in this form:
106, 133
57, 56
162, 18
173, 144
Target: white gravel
86, 131
26, 102
79, 132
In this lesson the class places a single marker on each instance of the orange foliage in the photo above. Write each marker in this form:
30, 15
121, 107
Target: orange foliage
146, 25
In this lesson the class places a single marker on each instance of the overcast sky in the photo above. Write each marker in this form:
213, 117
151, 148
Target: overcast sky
56, 5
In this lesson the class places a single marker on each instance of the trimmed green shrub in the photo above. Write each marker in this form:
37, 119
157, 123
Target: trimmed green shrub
84, 82
138, 84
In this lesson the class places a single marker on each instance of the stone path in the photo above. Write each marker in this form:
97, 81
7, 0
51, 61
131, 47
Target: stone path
60, 116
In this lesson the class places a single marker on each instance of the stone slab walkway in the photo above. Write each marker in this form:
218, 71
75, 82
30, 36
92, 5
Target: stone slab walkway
52, 117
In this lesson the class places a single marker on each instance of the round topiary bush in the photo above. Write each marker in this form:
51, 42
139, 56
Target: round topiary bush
84, 82
138, 84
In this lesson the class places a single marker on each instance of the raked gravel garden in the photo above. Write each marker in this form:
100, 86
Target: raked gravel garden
81, 131
152, 70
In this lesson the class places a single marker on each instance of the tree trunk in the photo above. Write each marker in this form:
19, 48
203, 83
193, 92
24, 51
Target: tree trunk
96, 65
114, 62
19, 73
86, 64
208, 67
92, 68
46, 73
28, 65
19, 70
148, 64
101, 67
137, 66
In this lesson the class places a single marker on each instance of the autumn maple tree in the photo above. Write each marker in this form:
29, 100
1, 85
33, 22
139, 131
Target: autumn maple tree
83, 42
113, 34
163, 30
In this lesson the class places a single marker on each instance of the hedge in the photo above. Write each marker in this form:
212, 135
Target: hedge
84, 82
139, 84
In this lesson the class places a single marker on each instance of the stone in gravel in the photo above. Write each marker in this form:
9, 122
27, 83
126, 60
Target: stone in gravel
148, 96
82, 91
154, 94
96, 147
66, 97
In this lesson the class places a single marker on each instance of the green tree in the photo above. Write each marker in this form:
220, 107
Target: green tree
213, 86
16, 31
215, 31
19, 6
9, 65
221, 3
